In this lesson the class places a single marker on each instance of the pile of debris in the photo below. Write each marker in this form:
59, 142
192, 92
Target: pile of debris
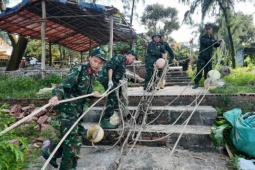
42, 119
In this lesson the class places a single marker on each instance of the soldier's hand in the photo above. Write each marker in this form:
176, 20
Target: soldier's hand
96, 94
54, 101
164, 56
110, 84
175, 61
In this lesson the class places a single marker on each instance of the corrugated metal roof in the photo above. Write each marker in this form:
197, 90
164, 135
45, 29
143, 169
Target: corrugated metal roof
71, 25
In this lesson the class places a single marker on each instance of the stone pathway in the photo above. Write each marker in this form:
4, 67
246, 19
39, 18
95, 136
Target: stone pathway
151, 158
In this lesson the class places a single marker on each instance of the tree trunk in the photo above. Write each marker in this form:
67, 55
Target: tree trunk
232, 48
17, 53
19, 46
132, 13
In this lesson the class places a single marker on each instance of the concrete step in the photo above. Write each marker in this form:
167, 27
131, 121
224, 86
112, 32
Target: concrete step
204, 115
195, 138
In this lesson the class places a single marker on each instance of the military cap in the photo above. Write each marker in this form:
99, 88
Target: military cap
156, 34
134, 53
98, 52
208, 25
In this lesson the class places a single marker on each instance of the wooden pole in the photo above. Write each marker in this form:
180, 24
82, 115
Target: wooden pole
111, 36
50, 54
43, 39
81, 57
90, 47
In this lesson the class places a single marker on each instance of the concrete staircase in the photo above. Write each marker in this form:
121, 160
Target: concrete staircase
196, 135
173, 77
195, 150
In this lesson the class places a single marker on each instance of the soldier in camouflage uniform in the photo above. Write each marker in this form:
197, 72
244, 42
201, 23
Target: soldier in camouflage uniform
78, 82
110, 75
168, 49
207, 42
154, 51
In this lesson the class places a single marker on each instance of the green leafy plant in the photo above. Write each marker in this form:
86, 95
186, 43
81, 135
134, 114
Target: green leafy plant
13, 149
217, 134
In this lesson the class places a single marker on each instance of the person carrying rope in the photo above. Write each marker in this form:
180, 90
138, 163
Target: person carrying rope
207, 42
154, 51
79, 81
110, 75
167, 48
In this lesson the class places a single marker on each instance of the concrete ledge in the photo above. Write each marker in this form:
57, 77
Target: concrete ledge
204, 115
195, 138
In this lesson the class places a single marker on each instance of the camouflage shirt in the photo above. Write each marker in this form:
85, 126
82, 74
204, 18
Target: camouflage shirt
168, 49
206, 46
78, 81
154, 52
118, 65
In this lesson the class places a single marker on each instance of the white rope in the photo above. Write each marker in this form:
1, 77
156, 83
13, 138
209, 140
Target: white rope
39, 110
77, 121
187, 121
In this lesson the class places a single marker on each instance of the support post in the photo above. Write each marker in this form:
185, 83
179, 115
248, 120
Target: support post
81, 57
191, 56
111, 36
50, 54
90, 47
43, 39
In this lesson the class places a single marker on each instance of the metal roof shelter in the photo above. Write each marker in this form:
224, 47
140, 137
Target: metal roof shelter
77, 26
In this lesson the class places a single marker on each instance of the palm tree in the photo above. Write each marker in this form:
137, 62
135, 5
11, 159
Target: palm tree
223, 7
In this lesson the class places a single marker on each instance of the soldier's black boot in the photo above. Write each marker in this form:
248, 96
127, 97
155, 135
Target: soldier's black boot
105, 124
46, 155
195, 86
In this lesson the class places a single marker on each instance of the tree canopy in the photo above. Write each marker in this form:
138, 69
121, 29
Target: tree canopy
157, 18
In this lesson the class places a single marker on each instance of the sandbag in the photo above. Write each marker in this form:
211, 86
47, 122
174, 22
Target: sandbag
243, 131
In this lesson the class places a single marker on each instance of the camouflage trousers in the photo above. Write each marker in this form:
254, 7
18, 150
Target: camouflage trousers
71, 146
200, 64
149, 72
112, 102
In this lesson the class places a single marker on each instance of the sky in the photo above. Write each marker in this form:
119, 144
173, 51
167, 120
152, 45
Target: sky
184, 34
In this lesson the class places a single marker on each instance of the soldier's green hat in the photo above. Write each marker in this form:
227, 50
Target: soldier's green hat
98, 52
208, 25
156, 34
134, 53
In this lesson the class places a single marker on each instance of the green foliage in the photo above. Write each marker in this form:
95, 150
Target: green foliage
157, 13
249, 61
12, 156
25, 87
217, 134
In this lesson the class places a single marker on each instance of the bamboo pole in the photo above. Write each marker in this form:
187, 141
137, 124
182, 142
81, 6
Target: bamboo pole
43, 39
111, 36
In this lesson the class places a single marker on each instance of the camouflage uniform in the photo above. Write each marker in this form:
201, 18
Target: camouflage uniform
78, 82
205, 55
168, 49
154, 52
118, 65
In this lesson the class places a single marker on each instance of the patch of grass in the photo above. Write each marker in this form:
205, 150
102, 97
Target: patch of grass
25, 87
